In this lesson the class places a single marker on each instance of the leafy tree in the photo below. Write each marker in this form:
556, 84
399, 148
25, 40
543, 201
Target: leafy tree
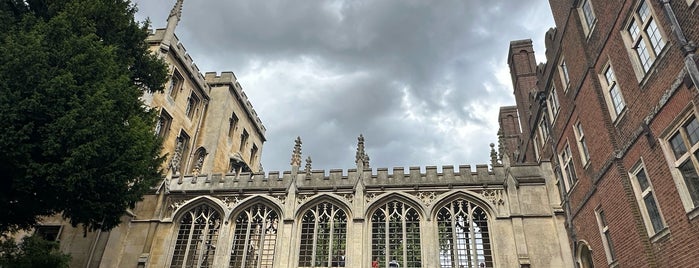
76, 138
34, 251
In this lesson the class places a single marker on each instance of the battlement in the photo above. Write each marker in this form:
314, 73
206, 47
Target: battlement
339, 179
180, 53
231, 81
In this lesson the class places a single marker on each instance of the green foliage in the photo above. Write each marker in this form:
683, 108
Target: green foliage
34, 251
76, 138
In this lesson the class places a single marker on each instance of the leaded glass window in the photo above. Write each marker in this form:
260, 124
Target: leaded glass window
395, 235
195, 245
464, 240
255, 237
323, 236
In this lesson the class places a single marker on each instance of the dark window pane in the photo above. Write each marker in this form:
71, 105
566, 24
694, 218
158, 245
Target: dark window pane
678, 145
642, 179
693, 131
691, 179
653, 213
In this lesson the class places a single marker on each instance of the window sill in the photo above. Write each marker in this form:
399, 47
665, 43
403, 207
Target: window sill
589, 31
661, 235
653, 67
619, 116
614, 264
692, 214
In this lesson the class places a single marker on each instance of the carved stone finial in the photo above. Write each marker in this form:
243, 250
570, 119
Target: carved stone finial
296, 154
176, 10
493, 155
361, 156
308, 167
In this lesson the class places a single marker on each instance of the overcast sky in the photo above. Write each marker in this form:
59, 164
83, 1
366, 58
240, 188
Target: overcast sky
422, 80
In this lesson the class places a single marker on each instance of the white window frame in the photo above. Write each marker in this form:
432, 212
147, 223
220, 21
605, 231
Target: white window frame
582, 143
675, 163
565, 75
641, 195
609, 83
603, 224
566, 160
587, 16
543, 128
536, 146
644, 38
554, 106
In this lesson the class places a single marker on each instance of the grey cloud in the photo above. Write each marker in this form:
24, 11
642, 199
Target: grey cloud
329, 70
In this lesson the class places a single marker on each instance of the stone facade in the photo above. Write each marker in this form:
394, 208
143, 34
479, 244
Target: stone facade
614, 111
513, 214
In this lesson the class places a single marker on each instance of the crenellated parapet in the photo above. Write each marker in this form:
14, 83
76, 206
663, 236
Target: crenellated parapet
339, 179
179, 52
228, 79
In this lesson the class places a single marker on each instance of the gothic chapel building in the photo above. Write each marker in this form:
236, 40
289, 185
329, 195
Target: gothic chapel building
215, 208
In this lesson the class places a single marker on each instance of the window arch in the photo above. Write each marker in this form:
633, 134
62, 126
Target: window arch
395, 235
464, 240
198, 160
323, 236
255, 237
584, 255
195, 244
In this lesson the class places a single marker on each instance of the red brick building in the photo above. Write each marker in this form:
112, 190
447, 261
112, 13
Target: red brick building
615, 109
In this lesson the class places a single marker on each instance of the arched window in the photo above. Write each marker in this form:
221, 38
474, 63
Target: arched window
585, 255
198, 161
395, 235
464, 240
323, 236
255, 237
196, 239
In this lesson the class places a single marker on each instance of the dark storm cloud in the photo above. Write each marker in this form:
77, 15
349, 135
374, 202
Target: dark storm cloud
422, 80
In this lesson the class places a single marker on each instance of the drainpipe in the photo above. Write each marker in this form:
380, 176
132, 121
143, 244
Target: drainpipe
687, 47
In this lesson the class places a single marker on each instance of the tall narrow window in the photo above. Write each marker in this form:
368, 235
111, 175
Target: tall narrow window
232, 123
464, 238
243, 139
645, 37
323, 237
544, 129
584, 255
162, 127
588, 16
684, 147
254, 237
181, 152
192, 105
253, 153
606, 237
612, 94
565, 78
646, 201
553, 104
198, 161
582, 144
395, 235
195, 245
569, 169
176, 82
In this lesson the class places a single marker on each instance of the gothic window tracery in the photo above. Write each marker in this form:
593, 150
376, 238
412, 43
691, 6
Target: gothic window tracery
254, 237
195, 244
323, 236
464, 240
395, 235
